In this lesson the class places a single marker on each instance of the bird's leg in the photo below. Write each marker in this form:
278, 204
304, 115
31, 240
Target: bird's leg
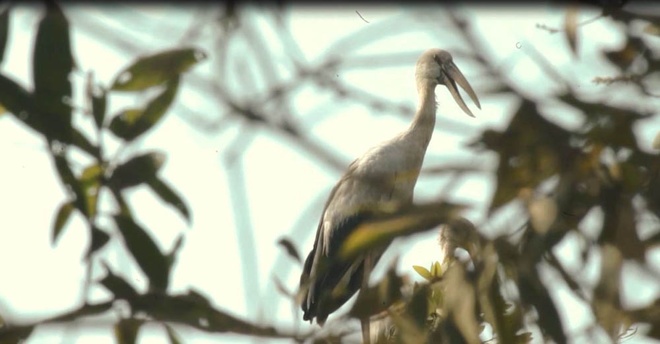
365, 322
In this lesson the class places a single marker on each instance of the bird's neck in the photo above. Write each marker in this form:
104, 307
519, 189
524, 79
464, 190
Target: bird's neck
421, 128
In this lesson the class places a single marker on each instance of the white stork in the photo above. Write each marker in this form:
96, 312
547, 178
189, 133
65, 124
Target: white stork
384, 176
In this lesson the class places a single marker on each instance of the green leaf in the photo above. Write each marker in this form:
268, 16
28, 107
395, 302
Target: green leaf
118, 286
422, 271
98, 98
126, 330
380, 230
156, 69
148, 256
139, 169
18, 101
79, 140
61, 219
131, 123
98, 240
52, 64
172, 335
169, 196
4, 32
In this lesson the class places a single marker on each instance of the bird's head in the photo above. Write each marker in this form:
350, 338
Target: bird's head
436, 67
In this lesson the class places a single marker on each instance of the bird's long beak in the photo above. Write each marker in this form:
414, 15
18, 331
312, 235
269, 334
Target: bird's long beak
454, 76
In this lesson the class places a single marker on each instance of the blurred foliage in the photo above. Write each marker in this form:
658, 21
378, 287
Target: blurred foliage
497, 293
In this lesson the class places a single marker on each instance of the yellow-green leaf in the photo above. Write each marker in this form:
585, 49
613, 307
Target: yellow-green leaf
126, 330
90, 180
381, 230
156, 69
131, 123
422, 271
61, 219
436, 269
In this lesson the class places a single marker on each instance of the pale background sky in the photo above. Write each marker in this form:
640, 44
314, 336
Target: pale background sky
282, 181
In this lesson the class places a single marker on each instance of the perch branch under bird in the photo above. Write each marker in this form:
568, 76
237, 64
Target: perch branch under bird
383, 178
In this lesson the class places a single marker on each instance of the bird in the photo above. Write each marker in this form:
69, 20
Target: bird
382, 178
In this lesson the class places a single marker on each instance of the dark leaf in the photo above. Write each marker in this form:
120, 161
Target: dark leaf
381, 230
117, 285
79, 140
570, 28
530, 150
533, 292
460, 302
171, 257
169, 196
624, 57
419, 307
620, 225
52, 64
379, 297
4, 32
98, 240
137, 170
98, 98
60, 220
18, 101
290, 249
126, 330
651, 29
282, 288
508, 320
195, 310
172, 335
131, 123
15, 334
156, 69
153, 263
653, 241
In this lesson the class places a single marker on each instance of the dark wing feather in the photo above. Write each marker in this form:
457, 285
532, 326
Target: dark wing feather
330, 270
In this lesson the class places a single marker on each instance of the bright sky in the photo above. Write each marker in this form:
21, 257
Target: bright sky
282, 181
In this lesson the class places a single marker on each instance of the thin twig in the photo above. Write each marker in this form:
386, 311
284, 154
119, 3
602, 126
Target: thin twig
358, 13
